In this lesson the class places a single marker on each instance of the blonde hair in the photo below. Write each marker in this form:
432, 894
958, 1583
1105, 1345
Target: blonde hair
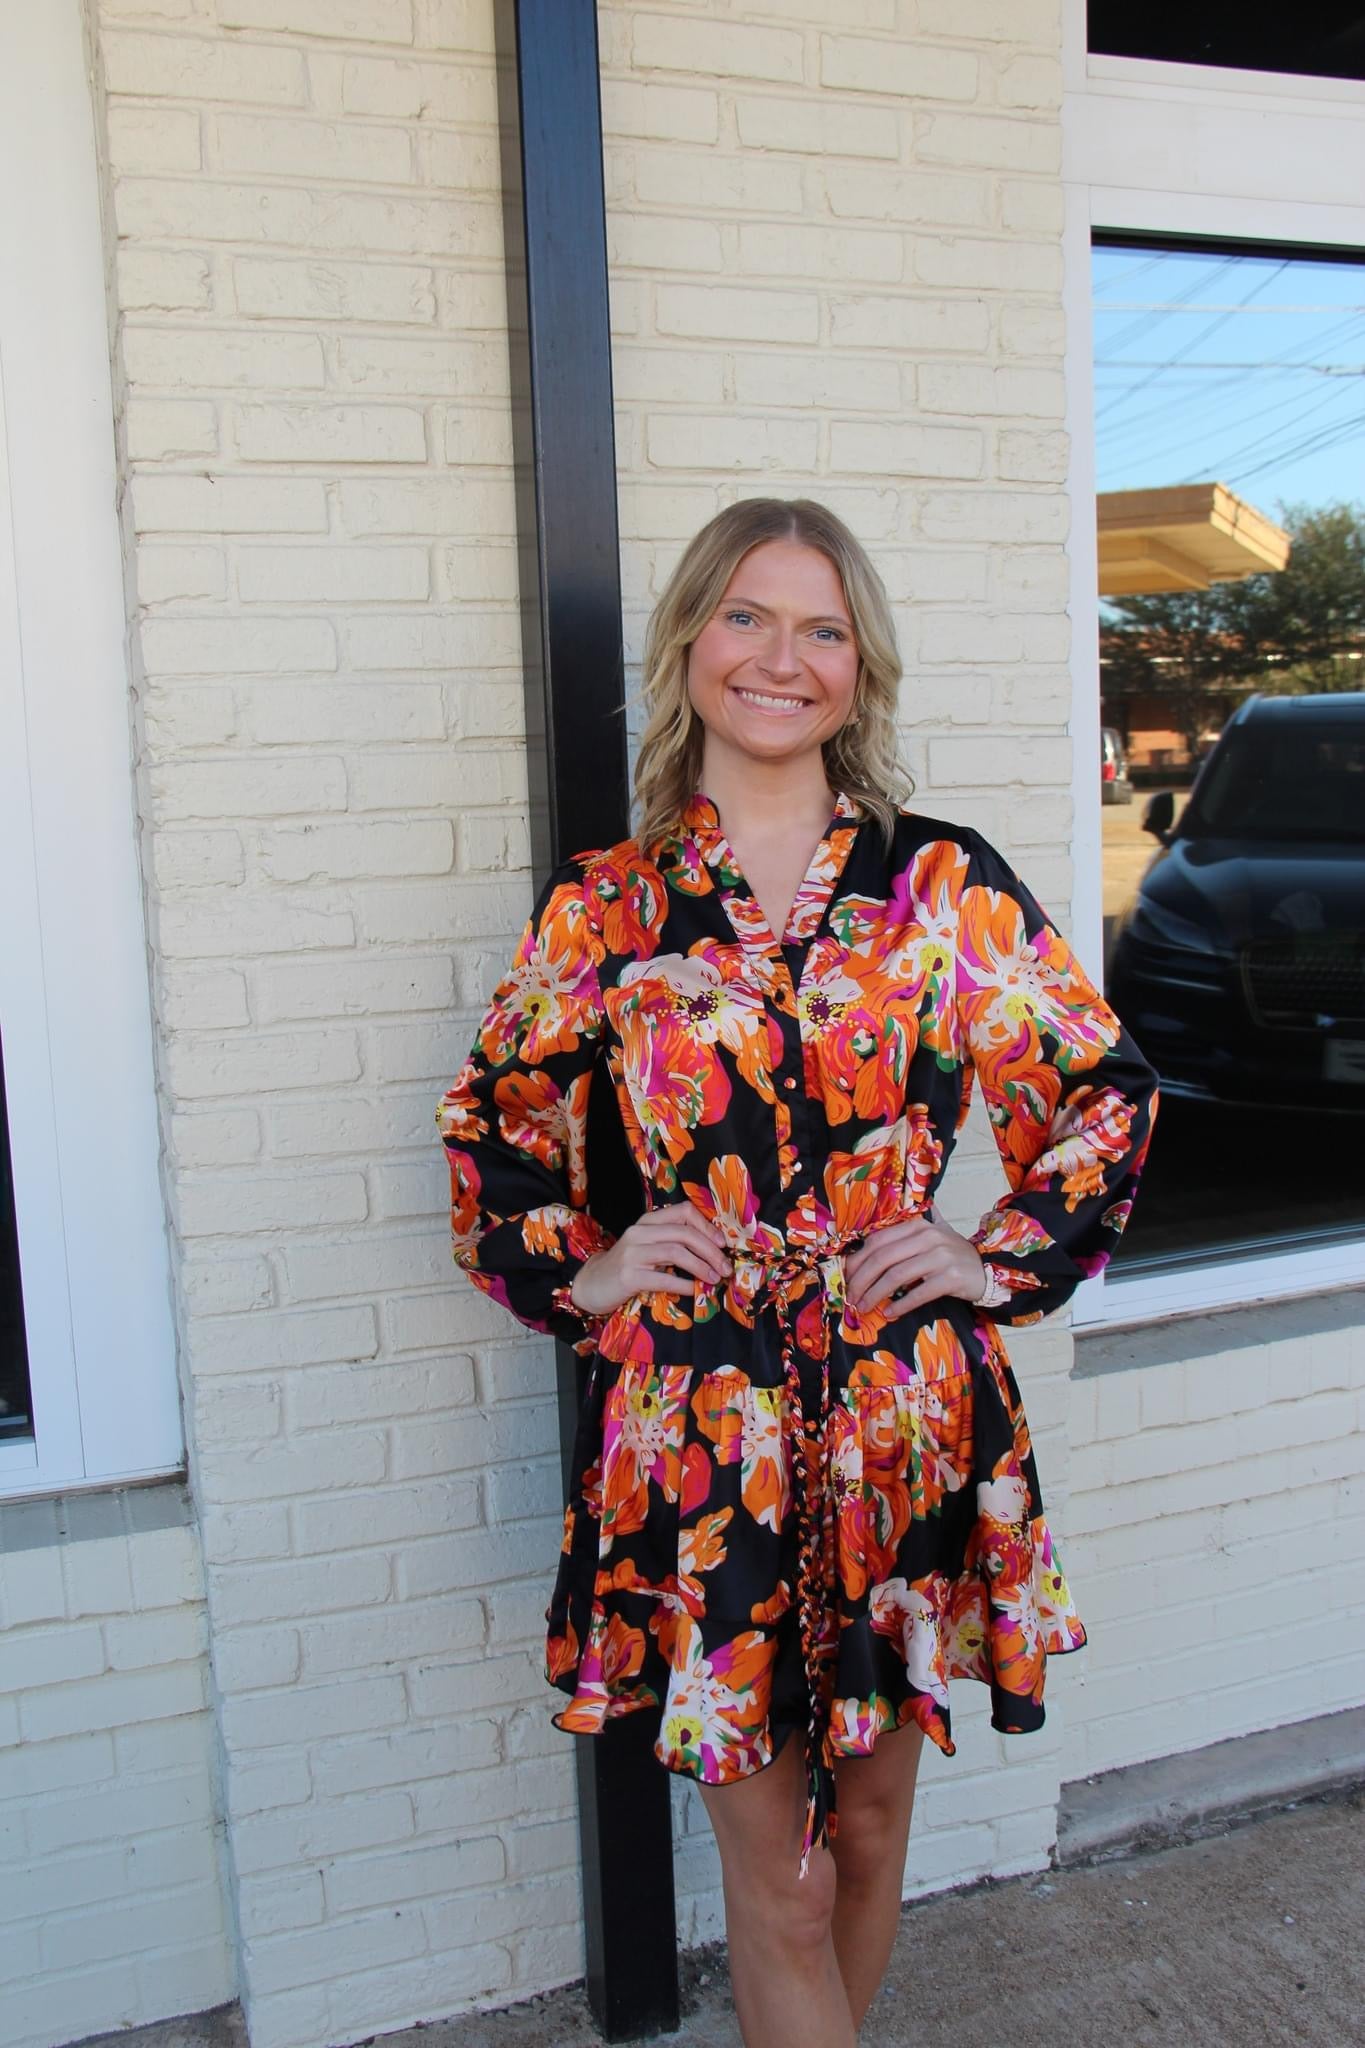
862, 757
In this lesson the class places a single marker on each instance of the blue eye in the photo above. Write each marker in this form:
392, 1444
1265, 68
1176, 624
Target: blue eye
739, 618
833, 631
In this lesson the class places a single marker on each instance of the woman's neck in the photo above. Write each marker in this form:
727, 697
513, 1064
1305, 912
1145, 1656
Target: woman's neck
754, 799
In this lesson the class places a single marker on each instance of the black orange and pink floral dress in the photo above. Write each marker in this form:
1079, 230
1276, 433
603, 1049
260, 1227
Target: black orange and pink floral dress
787, 1515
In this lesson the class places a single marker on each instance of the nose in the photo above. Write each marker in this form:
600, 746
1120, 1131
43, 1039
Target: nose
780, 661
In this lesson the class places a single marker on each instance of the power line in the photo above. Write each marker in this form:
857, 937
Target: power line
1190, 346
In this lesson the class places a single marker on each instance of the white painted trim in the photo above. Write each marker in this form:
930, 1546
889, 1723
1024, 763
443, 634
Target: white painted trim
1236, 155
73, 959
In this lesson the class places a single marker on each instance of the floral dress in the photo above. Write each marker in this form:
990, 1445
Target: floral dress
787, 1514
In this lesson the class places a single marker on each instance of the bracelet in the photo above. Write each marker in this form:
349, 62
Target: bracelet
996, 1292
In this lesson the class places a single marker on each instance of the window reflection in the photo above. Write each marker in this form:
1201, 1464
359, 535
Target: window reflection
1232, 569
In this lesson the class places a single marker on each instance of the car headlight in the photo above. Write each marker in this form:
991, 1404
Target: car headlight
1153, 924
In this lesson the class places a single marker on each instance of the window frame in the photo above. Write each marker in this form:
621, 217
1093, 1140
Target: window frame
74, 996
1125, 123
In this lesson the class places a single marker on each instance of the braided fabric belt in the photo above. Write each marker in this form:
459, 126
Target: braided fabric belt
784, 1283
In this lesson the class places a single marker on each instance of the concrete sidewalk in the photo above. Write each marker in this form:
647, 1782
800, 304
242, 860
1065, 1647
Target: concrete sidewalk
1253, 1935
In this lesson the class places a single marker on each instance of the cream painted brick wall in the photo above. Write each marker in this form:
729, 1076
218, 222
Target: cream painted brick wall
835, 266
112, 1895
1216, 1529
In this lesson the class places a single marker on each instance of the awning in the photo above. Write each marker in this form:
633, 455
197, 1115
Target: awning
1184, 537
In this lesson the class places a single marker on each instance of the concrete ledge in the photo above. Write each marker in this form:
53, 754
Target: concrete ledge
1175, 1340
1180, 1798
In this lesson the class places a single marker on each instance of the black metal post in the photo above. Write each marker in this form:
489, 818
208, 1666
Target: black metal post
565, 457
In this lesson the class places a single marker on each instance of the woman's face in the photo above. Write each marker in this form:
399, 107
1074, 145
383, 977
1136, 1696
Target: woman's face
772, 673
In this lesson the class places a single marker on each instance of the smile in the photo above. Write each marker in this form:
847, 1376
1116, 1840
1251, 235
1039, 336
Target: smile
763, 702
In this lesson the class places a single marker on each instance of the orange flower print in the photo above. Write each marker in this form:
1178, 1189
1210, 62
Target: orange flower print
744, 1422
694, 994
676, 1084
715, 1716
729, 1200
701, 1547
909, 1615
642, 1444
467, 1221
1013, 988
561, 1653
923, 911
535, 1117
626, 899
550, 995
457, 1117
1088, 1135
1010, 1230
613, 1655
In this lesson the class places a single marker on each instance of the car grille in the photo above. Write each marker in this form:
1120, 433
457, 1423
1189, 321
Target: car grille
1300, 981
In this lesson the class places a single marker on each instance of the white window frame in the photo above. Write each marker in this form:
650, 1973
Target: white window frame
1187, 150
74, 1002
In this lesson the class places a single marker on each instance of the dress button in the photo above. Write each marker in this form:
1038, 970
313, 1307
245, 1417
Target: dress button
790, 1081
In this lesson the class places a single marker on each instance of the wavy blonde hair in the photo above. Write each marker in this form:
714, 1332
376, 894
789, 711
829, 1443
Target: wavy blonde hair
862, 758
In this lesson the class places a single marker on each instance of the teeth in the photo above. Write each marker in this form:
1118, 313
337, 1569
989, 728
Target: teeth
777, 703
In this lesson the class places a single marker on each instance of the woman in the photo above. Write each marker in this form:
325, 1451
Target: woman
804, 1495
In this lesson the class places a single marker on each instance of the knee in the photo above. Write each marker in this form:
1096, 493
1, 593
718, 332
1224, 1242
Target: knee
792, 1914
866, 1843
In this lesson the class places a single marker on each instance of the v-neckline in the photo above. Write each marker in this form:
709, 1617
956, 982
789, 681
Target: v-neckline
746, 914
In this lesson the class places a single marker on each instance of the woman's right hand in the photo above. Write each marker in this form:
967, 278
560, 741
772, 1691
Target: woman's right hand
665, 1252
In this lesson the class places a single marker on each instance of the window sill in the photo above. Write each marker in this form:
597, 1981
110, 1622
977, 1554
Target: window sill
1200, 1333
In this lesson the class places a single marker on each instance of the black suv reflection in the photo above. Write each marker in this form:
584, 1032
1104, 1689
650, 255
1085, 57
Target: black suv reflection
1240, 966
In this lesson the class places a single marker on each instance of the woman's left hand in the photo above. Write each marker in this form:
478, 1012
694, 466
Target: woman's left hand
907, 1264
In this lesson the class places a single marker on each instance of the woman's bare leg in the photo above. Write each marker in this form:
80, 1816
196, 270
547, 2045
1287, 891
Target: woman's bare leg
875, 1797
783, 1969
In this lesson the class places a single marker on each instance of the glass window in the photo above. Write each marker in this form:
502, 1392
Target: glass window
1229, 426
16, 1413
1324, 42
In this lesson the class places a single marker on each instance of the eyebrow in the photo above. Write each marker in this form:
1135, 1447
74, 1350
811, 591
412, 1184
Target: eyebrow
750, 604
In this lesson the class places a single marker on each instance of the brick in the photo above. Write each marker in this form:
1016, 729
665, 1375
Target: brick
412, 1052
235, 1205
475, 1440
1035, 458
173, 359
371, 1393
378, 1265
994, 266
259, 788
97, 1576
327, 852
210, 998
398, 1635
219, 1286
369, 21
146, 1642
724, 313
333, 291
907, 68
432, 366
88, 2000
1033, 762
486, 710
240, 1066
354, 714
716, 183
420, 913
430, 506
820, 127
985, 516
1032, 330
992, 21
171, 572
354, 987
447, 781
247, 1595
456, 25
967, 388
31, 1772
306, 1714
413, 90
132, 1926
237, 1411
178, 67
475, 435
177, 717
393, 1515
244, 1533
282, 1342
495, 845
115, 1700
416, 1191
260, 145
153, 138
282, 1962
285, 1471
915, 198
60, 1885
659, 113
461, 162
50, 1656
324, 575
771, 249
905, 450
226, 1138
973, 638
164, 281
329, 433
267, 1907
825, 380
731, 442
205, 647
193, 504
722, 49
644, 242
188, 860
159, 429
353, 1123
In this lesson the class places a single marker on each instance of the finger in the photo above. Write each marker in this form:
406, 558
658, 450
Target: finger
874, 1275
915, 1297
658, 1280
672, 1248
680, 1256
682, 1216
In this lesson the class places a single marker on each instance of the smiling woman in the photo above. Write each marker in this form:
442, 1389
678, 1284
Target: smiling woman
803, 1494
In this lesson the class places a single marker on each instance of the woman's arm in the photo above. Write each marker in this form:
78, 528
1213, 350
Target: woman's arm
514, 1122
1069, 1096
